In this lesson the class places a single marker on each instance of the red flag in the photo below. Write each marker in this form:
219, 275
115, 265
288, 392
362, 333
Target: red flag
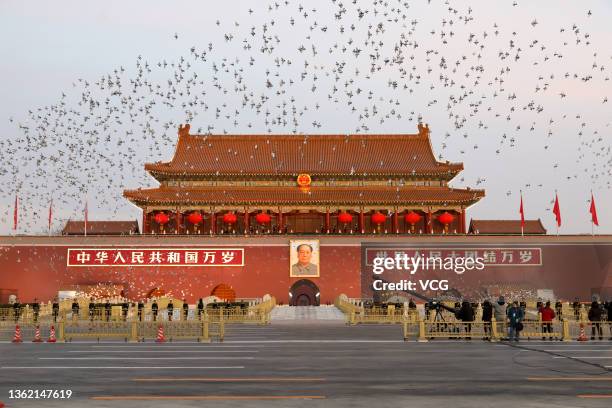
522, 213
15, 213
85, 216
593, 211
557, 211
50, 213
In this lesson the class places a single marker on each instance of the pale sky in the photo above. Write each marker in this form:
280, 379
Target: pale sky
544, 127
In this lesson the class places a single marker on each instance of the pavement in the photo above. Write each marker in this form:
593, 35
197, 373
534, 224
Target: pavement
312, 364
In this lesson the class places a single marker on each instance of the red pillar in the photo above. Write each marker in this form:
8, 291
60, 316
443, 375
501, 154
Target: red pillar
179, 222
429, 222
279, 221
145, 222
246, 220
327, 221
395, 222
213, 222
462, 222
361, 221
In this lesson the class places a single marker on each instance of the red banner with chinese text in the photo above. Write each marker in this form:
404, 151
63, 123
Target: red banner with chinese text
155, 257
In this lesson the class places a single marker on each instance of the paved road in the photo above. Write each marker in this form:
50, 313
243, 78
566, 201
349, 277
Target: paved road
321, 364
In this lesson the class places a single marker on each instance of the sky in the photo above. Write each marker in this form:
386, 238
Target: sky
515, 90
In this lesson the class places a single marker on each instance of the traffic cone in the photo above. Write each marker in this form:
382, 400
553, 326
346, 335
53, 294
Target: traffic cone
37, 338
52, 338
17, 337
582, 336
160, 335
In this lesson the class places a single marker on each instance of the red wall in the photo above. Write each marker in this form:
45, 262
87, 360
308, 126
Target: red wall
36, 266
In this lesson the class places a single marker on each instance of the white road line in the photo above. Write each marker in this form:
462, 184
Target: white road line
146, 358
576, 350
117, 367
163, 351
586, 357
172, 346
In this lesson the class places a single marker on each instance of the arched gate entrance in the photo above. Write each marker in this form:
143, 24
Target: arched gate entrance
304, 293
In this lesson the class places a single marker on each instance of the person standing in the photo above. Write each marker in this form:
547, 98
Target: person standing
576, 306
16, 310
559, 309
107, 310
154, 309
55, 309
595, 314
92, 308
140, 310
487, 314
170, 310
185, 309
547, 315
515, 321
200, 308
499, 312
125, 306
466, 315
75, 309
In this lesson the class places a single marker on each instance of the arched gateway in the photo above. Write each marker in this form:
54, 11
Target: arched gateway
304, 293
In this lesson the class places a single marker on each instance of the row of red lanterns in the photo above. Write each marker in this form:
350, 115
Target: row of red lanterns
343, 217
196, 218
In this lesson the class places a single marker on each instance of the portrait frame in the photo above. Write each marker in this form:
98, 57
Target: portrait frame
297, 271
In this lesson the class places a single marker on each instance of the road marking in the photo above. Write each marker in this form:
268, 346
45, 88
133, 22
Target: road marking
204, 397
576, 350
118, 367
241, 379
586, 357
163, 351
594, 396
146, 358
171, 346
602, 378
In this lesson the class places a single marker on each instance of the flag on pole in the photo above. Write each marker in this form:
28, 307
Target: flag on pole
557, 211
593, 211
15, 213
85, 217
522, 211
50, 214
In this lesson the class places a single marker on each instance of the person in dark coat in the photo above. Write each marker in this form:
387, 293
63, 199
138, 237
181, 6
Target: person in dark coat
140, 310
55, 309
16, 310
576, 306
559, 309
466, 315
154, 309
92, 309
75, 309
200, 307
515, 320
595, 314
107, 309
487, 315
185, 309
125, 306
170, 309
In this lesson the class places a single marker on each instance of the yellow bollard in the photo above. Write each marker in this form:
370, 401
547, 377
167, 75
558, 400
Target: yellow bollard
205, 331
566, 333
494, 333
422, 336
61, 338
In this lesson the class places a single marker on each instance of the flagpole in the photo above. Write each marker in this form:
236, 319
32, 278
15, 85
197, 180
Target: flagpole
556, 201
522, 215
592, 223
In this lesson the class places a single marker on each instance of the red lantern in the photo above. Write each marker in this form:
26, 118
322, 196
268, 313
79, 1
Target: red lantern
412, 218
445, 218
378, 218
263, 218
229, 218
194, 218
161, 218
345, 217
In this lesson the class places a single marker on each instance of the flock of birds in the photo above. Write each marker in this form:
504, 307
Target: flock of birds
378, 65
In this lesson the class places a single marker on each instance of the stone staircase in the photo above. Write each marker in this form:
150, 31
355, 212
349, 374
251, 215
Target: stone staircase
306, 314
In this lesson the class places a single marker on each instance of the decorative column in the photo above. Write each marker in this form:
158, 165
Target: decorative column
462, 221
361, 221
396, 222
246, 220
146, 227
429, 222
327, 221
279, 221
213, 222
179, 222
